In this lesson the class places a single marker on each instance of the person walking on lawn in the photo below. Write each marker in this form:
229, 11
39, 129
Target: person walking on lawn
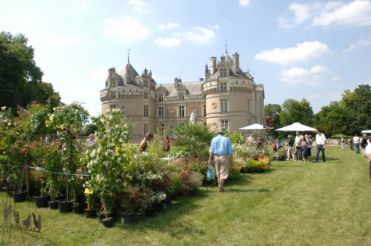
320, 142
221, 153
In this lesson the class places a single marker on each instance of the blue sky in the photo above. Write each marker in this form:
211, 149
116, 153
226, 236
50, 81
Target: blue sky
304, 49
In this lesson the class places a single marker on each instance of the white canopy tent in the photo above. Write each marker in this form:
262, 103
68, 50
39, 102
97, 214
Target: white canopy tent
366, 131
297, 127
252, 127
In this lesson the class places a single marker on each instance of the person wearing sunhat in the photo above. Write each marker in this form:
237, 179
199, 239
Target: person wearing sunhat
221, 153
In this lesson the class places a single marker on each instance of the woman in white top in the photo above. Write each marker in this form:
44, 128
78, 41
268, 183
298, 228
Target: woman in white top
368, 154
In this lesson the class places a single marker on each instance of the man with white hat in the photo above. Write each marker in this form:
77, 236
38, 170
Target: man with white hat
222, 153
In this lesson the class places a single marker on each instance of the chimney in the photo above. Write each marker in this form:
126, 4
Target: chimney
236, 61
212, 65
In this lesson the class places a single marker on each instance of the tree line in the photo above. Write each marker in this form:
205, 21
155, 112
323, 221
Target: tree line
349, 116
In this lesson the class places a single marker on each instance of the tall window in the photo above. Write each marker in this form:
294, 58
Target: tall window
223, 72
181, 95
160, 97
204, 109
145, 95
223, 87
112, 106
161, 128
145, 110
145, 129
224, 124
181, 111
161, 112
223, 105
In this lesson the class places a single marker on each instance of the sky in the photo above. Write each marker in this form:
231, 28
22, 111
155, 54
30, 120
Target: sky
297, 49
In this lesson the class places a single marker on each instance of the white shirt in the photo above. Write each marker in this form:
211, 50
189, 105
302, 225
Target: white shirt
320, 139
356, 140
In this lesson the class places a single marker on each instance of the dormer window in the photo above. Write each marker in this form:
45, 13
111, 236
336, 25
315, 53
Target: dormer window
160, 97
181, 95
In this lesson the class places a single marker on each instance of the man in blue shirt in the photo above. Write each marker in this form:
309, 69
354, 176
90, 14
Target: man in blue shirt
221, 152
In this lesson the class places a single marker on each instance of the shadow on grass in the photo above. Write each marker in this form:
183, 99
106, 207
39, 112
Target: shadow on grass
234, 190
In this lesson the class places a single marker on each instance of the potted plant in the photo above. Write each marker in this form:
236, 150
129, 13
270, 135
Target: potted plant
90, 211
41, 201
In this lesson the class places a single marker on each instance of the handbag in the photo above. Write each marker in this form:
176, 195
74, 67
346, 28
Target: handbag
210, 173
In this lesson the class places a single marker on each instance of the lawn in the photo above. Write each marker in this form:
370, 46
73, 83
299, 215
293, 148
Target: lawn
293, 204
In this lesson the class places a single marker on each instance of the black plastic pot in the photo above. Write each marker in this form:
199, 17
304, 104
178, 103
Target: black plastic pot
90, 213
150, 212
108, 222
19, 196
78, 208
53, 204
59, 198
192, 192
128, 217
41, 201
65, 206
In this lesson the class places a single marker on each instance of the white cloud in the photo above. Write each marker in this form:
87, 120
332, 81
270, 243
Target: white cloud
355, 13
126, 28
201, 35
168, 26
139, 6
300, 53
168, 42
68, 41
301, 12
362, 42
244, 3
297, 75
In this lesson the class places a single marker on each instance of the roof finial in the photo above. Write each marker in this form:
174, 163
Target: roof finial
226, 46
129, 56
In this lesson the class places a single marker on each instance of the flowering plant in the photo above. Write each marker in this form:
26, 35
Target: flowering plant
106, 159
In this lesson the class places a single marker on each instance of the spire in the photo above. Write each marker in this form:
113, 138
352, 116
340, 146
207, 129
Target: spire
128, 56
226, 46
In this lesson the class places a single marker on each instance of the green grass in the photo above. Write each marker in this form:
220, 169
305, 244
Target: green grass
293, 204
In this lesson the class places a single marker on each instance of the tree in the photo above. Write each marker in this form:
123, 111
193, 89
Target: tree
20, 77
271, 112
358, 105
333, 119
296, 111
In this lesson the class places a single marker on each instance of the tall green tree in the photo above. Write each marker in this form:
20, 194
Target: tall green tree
296, 111
333, 119
358, 105
20, 77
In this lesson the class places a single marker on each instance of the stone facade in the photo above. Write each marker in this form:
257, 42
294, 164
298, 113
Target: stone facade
227, 97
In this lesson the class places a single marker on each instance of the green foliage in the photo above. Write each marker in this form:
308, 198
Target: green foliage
109, 158
20, 77
192, 139
350, 115
296, 111
236, 137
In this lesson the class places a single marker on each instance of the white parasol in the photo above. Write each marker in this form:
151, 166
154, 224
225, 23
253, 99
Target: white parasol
252, 127
297, 127
366, 131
